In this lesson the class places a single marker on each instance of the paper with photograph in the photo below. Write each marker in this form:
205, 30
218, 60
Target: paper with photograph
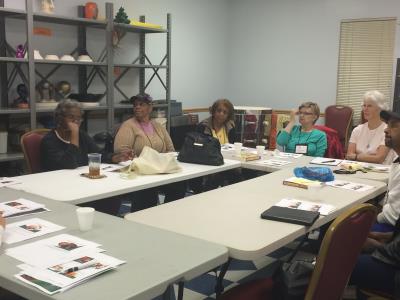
52, 250
323, 209
286, 155
353, 186
24, 230
20, 207
67, 274
6, 181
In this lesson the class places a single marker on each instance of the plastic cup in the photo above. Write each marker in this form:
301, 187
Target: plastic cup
260, 150
238, 148
314, 190
94, 160
85, 218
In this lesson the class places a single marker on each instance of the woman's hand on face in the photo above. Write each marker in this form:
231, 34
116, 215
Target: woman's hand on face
293, 114
73, 127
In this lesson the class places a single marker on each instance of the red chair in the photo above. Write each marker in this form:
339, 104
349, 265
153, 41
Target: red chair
336, 259
339, 118
30, 143
335, 148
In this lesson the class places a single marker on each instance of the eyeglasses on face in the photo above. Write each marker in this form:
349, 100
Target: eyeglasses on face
304, 113
74, 118
221, 110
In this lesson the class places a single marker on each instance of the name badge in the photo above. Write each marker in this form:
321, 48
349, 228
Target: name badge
301, 149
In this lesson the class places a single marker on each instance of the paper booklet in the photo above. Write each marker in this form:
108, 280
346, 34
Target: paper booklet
358, 187
20, 207
326, 161
323, 209
52, 250
7, 181
274, 162
287, 155
299, 182
68, 273
24, 230
355, 165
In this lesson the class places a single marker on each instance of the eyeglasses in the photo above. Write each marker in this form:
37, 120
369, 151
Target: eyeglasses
221, 110
303, 113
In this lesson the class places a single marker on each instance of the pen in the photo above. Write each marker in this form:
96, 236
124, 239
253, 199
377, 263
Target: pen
81, 267
328, 161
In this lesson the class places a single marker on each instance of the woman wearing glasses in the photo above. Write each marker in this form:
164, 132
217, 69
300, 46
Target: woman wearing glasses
367, 141
67, 147
303, 138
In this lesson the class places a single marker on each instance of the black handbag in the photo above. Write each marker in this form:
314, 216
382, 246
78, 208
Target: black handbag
199, 148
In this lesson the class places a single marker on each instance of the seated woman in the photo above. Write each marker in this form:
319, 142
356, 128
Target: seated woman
303, 138
220, 125
367, 141
67, 147
140, 131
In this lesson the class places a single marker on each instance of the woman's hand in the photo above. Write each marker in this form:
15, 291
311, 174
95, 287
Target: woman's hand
382, 237
293, 114
2, 220
123, 155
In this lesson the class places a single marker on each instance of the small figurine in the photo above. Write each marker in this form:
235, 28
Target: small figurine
46, 92
22, 101
20, 53
48, 6
63, 89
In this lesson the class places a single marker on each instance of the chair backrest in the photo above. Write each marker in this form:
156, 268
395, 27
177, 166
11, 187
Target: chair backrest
30, 143
339, 251
335, 147
339, 118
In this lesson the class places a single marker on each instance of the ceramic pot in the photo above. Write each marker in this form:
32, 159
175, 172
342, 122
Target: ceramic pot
91, 10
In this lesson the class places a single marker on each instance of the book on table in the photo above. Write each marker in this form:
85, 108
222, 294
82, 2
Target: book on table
300, 182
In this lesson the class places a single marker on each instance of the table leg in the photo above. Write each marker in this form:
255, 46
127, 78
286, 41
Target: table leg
169, 293
219, 287
181, 286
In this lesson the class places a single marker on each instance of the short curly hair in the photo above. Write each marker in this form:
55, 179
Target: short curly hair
227, 104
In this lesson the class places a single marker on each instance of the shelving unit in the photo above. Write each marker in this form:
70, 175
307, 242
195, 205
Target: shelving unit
26, 69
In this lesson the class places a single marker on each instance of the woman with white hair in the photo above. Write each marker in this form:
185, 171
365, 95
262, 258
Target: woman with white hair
367, 141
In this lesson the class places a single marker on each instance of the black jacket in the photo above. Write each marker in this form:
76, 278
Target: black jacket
205, 127
56, 154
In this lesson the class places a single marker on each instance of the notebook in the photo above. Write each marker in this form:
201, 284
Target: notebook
290, 215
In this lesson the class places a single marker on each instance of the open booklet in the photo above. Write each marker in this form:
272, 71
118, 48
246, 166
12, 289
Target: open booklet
323, 209
21, 207
348, 185
68, 273
274, 162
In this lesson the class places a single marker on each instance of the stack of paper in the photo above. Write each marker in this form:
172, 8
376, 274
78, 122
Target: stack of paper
326, 161
323, 209
6, 181
279, 154
274, 162
28, 229
21, 207
61, 262
358, 187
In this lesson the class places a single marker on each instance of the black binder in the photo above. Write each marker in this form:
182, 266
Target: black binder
290, 215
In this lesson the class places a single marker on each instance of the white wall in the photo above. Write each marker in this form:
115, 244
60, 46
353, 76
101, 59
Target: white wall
199, 45
282, 52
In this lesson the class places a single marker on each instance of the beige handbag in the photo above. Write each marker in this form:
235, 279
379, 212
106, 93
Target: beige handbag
152, 162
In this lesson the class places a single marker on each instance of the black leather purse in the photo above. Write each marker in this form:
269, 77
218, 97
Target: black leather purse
199, 148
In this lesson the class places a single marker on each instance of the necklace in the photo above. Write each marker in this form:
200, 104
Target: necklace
65, 141
371, 138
